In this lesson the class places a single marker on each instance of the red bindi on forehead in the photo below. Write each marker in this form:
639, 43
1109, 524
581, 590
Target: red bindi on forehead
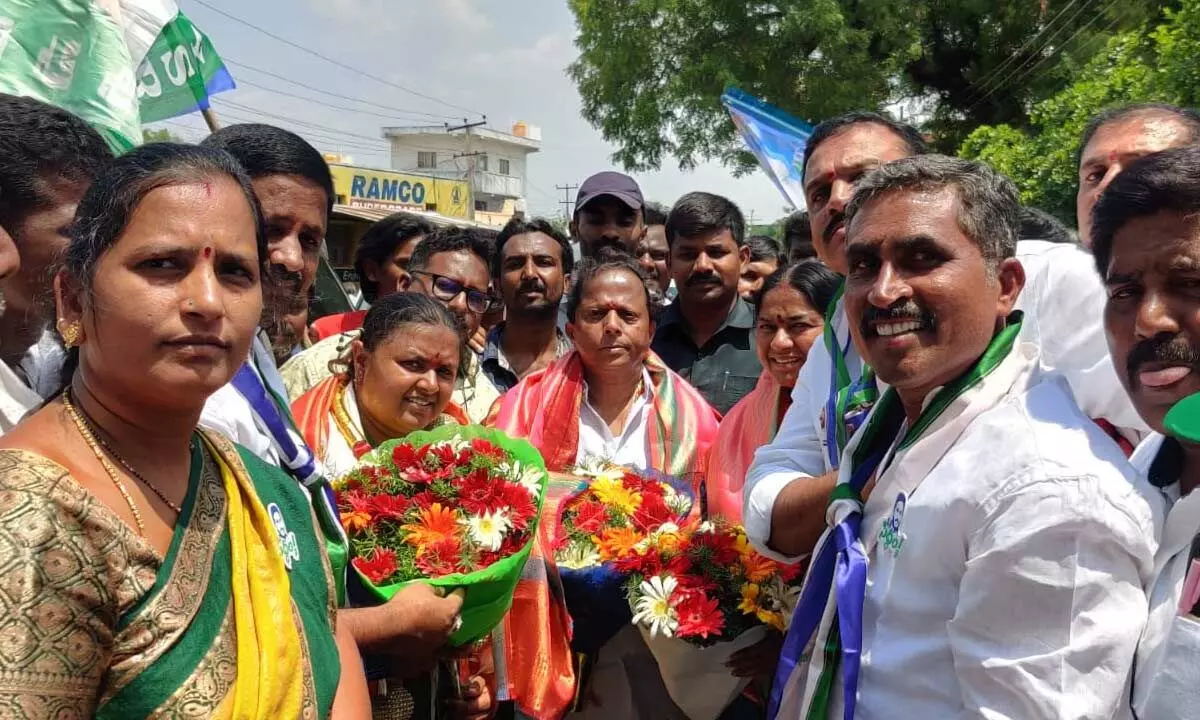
208, 251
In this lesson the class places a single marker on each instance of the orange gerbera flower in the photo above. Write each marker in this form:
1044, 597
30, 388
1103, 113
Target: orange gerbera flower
615, 542
758, 568
435, 524
356, 520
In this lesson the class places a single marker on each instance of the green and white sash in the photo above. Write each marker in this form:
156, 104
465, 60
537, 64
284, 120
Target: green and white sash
902, 457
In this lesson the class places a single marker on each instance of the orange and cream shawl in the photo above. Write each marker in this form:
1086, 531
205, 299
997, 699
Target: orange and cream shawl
544, 409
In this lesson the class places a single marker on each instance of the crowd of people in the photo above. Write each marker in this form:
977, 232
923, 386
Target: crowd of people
967, 420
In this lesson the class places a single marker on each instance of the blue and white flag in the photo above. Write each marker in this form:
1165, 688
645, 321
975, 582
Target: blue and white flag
776, 139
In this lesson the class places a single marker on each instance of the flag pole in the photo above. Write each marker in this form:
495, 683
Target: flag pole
211, 118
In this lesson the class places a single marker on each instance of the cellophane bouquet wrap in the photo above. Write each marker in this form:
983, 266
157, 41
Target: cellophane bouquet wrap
455, 507
614, 509
699, 594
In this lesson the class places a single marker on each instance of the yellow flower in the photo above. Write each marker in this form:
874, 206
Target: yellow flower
742, 545
772, 619
749, 604
614, 493
752, 605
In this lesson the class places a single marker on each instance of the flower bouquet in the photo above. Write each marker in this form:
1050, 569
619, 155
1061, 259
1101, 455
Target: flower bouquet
456, 507
698, 595
614, 509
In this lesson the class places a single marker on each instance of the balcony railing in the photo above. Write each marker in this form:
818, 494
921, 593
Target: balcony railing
497, 184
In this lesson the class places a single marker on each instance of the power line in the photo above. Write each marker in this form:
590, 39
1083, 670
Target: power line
286, 79
330, 60
1018, 74
325, 129
315, 101
566, 201
1076, 34
990, 77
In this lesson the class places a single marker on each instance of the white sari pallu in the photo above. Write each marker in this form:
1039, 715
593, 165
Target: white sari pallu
1009, 586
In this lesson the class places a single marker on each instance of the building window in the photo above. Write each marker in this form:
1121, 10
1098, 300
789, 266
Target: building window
503, 166
483, 163
426, 159
481, 205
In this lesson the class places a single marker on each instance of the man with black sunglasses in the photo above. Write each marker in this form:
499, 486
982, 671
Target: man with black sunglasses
452, 266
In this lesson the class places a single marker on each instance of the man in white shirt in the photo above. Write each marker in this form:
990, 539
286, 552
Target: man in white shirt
294, 187
788, 485
48, 159
1119, 136
991, 542
1147, 248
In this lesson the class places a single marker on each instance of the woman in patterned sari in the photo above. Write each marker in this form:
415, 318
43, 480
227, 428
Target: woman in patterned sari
150, 568
399, 377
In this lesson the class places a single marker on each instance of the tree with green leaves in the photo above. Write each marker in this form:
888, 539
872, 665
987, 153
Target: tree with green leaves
651, 72
164, 135
1154, 63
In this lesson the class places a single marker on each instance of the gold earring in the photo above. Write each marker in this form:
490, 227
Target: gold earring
70, 333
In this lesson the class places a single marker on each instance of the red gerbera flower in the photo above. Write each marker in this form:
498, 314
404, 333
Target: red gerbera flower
391, 507
440, 558
699, 616
719, 546
590, 516
425, 499
380, 566
488, 450
652, 512
476, 494
404, 456
516, 501
439, 456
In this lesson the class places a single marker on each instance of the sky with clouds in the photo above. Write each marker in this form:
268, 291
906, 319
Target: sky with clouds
502, 58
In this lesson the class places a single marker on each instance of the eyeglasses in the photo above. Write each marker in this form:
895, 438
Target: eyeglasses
448, 289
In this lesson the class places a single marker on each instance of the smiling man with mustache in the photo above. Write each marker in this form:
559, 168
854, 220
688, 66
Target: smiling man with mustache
789, 483
1006, 541
1147, 248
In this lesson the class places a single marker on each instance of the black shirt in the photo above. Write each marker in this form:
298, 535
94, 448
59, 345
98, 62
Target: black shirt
726, 368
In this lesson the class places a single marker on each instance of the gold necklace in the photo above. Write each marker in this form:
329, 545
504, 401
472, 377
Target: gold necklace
93, 427
90, 439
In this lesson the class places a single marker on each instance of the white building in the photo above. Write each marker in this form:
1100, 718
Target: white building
498, 160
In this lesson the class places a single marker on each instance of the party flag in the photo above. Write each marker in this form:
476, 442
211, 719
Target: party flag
114, 63
776, 139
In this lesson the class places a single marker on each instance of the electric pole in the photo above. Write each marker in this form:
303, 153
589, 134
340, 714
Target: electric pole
566, 201
466, 128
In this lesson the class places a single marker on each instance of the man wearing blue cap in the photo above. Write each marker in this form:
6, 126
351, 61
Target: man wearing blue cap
608, 213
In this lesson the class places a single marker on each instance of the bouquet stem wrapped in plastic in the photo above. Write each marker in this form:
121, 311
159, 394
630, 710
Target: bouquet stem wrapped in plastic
699, 595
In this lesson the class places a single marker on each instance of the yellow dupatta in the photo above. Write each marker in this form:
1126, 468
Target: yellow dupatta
270, 676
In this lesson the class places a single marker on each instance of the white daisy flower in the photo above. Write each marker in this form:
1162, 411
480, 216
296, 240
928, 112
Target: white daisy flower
488, 529
677, 501
578, 555
654, 608
457, 443
780, 597
599, 469
529, 477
